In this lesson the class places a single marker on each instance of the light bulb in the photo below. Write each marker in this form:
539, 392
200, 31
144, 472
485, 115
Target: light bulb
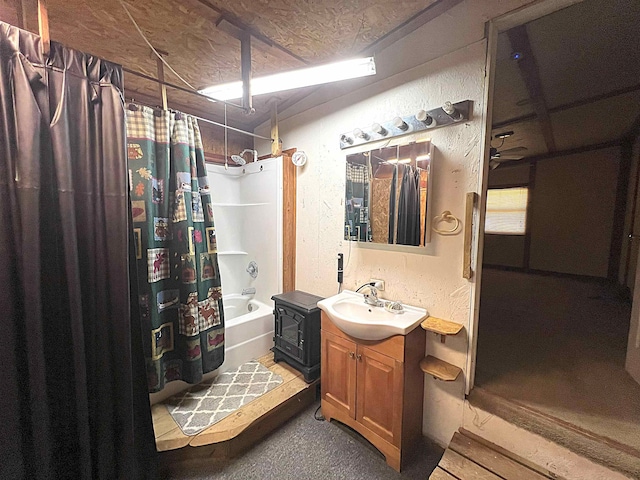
400, 124
424, 117
346, 139
450, 110
379, 129
358, 133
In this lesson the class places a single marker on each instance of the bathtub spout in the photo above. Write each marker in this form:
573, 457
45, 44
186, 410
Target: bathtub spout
249, 291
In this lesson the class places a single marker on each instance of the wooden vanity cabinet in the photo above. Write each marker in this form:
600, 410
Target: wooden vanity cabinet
374, 387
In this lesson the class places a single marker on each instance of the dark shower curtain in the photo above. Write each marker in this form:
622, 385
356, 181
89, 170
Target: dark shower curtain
73, 401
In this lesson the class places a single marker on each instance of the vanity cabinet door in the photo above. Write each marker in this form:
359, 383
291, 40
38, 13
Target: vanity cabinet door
379, 394
338, 372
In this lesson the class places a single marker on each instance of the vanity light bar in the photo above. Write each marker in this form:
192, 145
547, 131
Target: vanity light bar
448, 114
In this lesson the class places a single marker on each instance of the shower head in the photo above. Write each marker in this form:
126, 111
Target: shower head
238, 159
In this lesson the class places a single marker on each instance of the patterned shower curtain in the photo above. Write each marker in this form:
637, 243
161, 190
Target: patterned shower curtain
180, 296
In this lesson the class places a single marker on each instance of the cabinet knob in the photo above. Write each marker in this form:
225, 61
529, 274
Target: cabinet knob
359, 356
352, 355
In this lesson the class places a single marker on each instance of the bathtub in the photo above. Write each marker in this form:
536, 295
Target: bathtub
248, 330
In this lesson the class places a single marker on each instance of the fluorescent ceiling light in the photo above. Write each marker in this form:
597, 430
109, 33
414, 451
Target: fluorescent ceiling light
305, 77
395, 160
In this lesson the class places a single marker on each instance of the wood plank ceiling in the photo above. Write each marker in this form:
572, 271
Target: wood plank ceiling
287, 34
577, 82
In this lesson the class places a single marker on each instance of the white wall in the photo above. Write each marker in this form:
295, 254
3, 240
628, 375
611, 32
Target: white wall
247, 207
443, 60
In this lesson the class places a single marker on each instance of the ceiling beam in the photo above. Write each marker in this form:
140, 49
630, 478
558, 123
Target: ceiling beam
562, 153
229, 17
418, 20
531, 75
245, 60
570, 105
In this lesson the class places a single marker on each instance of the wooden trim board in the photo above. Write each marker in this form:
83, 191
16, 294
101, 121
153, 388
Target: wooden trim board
471, 201
289, 183
470, 457
543, 472
492, 460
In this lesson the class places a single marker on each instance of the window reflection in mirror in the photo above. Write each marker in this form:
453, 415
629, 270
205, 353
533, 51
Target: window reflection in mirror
387, 195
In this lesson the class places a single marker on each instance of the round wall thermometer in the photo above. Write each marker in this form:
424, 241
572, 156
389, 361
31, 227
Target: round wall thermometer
299, 159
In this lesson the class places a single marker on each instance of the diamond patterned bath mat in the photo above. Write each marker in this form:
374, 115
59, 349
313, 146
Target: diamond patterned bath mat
208, 403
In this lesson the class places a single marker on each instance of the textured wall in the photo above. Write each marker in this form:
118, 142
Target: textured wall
444, 60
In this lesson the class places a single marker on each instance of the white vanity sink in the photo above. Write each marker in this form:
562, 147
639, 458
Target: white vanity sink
353, 316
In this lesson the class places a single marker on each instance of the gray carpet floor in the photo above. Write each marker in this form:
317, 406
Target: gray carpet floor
305, 448
558, 345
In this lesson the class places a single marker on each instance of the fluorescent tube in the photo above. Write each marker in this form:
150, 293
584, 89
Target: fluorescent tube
305, 77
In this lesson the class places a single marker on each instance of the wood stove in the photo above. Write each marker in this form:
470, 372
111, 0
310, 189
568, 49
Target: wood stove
297, 332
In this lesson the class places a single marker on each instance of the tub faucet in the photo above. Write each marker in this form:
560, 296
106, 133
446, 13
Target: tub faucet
249, 291
372, 297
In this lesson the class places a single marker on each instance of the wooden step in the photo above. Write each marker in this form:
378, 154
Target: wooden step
584, 454
441, 327
439, 368
469, 457
262, 414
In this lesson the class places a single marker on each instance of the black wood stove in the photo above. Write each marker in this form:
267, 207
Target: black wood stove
297, 332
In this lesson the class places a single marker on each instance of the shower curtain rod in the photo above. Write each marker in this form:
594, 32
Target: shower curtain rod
178, 87
231, 128
206, 120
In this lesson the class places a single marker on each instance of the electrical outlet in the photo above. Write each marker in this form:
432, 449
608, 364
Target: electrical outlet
379, 284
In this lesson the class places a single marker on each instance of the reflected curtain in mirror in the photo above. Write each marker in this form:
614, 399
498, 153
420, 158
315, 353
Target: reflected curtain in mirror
387, 195
357, 201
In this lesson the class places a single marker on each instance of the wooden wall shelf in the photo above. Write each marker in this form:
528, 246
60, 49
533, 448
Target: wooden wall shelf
441, 327
439, 369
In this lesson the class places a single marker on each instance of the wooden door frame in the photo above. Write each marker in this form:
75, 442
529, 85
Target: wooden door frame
289, 199
494, 27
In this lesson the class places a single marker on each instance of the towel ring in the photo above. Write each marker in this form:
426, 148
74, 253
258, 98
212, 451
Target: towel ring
446, 216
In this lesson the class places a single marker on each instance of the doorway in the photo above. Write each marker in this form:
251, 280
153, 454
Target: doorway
556, 327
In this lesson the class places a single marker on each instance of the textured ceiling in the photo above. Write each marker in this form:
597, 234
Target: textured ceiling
588, 66
293, 33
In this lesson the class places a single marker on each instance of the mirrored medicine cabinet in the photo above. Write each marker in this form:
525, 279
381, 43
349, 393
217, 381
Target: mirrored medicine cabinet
387, 195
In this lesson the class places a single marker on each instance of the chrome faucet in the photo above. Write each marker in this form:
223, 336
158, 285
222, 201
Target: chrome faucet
372, 297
